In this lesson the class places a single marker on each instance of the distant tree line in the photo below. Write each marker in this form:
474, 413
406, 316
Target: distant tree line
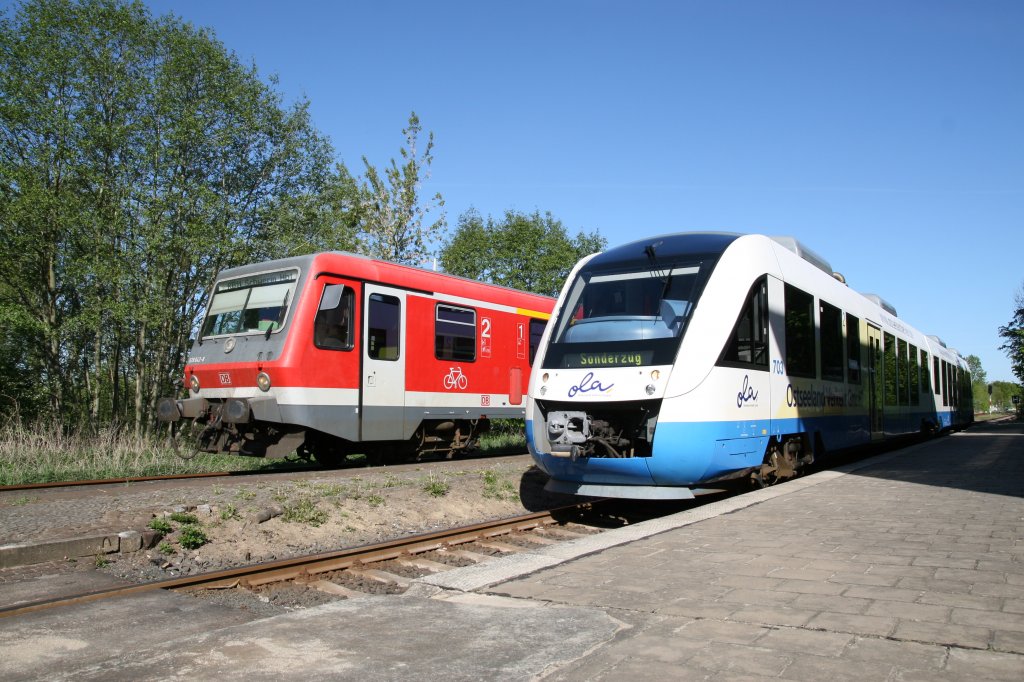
139, 158
1013, 337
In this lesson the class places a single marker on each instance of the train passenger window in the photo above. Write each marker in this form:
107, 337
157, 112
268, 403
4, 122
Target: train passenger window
801, 351
831, 342
945, 383
332, 327
454, 333
536, 331
748, 344
384, 328
891, 375
902, 374
915, 377
852, 349
926, 377
938, 376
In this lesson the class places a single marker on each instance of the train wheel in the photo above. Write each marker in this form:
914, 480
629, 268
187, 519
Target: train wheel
779, 464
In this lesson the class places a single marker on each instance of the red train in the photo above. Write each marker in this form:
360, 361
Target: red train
332, 354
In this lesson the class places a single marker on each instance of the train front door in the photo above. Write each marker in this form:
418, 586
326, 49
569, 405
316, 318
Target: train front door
383, 374
874, 366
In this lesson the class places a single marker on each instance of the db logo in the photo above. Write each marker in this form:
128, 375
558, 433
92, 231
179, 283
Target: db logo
485, 401
225, 379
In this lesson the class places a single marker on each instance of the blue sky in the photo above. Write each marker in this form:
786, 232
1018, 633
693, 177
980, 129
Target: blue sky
888, 136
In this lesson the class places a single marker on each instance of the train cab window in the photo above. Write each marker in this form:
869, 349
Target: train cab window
801, 352
914, 386
831, 342
536, 331
748, 343
384, 327
890, 369
852, 349
332, 327
255, 304
454, 333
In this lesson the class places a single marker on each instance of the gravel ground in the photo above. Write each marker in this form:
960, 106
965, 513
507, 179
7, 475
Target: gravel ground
256, 522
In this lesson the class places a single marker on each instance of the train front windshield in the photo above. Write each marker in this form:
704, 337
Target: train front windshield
250, 305
624, 318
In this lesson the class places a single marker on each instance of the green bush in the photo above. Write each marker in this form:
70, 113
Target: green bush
192, 537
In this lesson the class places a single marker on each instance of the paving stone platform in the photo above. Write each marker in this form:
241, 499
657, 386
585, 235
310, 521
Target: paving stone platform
907, 566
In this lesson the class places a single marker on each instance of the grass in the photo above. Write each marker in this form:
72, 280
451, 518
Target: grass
46, 452
436, 487
304, 510
42, 453
498, 488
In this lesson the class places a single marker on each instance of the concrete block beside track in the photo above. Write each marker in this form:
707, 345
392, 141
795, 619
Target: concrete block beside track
23, 554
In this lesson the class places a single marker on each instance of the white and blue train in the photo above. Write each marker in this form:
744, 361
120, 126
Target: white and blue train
677, 363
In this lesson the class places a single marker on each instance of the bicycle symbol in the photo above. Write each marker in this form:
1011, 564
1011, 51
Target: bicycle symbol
455, 378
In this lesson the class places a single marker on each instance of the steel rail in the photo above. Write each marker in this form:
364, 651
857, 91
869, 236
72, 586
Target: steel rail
218, 474
300, 567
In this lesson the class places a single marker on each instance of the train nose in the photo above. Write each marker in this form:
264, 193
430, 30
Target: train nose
567, 432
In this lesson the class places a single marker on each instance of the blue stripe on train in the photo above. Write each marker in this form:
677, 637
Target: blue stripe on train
687, 453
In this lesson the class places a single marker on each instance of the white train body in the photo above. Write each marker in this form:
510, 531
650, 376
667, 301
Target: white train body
679, 361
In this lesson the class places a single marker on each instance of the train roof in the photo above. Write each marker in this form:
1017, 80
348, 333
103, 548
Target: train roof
370, 269
665, 248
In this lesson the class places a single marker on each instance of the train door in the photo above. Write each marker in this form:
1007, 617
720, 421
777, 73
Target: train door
383, 383
335, 355
874, 365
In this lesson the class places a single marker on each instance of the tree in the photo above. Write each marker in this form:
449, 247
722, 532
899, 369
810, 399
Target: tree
138, 158
393, 217
979, 383
529, 252
1013, 337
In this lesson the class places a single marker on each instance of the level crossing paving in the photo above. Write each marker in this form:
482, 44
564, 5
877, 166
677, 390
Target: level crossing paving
905, 566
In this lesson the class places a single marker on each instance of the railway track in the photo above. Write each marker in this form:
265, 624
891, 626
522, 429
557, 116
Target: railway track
310, 570
213, 474
145, 479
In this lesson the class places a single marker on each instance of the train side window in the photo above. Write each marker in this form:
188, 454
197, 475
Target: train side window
915, 377
748, 343
332, 327
384, 327
937, 377
831, 342
536, 331
926, 376
945, 383
891, 376
454, 333
852, 349
901, 362
801, 351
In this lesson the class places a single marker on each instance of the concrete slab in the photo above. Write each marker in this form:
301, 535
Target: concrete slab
402, 639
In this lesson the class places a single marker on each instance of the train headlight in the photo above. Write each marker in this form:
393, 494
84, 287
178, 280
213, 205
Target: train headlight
193, 383
650, 389
263, 381
544, 377
655, 374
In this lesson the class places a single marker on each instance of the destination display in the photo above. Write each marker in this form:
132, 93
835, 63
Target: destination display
608, 359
